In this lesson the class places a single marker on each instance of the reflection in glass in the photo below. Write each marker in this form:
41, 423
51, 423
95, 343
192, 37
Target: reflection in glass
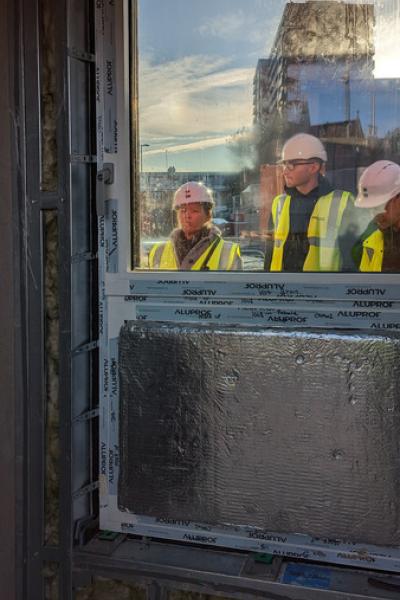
196, 243
223, 86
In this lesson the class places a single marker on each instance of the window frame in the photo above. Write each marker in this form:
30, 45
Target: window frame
333, 289
125, 293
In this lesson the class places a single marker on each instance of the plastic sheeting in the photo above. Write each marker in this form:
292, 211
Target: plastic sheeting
295, 432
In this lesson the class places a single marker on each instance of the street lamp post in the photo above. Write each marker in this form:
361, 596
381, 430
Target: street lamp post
141, 155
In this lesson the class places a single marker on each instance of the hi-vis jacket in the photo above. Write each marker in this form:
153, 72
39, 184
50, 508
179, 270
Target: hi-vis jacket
323, 229
369, 251
210, 253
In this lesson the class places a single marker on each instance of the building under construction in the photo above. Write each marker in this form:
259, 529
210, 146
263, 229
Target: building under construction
320, 50
316, 41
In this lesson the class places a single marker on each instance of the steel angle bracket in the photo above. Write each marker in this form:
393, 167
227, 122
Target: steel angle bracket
87, 489
105, 176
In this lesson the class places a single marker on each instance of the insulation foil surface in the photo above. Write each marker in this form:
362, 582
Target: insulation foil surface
295, 432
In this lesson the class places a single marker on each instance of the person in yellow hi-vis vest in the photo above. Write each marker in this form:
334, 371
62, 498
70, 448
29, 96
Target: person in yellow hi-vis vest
313, 227
378, 249
196, 244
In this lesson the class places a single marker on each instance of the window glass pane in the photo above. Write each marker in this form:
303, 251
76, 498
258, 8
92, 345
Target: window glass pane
224, 88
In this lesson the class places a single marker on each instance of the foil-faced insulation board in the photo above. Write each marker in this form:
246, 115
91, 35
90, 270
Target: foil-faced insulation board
283, 431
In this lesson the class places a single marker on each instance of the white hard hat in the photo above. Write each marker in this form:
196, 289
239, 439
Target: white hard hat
303, 146
378, 184
192, 192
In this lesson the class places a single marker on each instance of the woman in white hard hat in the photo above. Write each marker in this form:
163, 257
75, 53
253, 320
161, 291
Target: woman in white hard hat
196, 244
379, 191
310, 217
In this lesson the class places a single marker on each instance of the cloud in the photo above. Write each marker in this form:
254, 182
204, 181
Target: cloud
224, 26
201, 144
227, 78
255, 27
193, 96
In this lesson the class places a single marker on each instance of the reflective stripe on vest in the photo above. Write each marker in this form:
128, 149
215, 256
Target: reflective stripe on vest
162, 256
372, 255
281, 218
323, 228
158, 252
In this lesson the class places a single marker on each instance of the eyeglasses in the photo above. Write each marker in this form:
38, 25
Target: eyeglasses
290, 165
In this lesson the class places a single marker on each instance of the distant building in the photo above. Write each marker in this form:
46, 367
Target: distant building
260, 91
316, 40
321, 61
336, 131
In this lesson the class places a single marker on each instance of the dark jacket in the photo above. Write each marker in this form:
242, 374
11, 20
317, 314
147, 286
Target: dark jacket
297, 244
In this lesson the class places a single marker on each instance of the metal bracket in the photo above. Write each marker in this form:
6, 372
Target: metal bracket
104, 177
87, 416
86, 347
87, 489
81, 55
83, 158
85, 528
83, 256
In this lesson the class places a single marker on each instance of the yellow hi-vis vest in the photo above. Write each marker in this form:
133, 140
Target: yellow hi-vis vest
162, 256
322, 233
372, 254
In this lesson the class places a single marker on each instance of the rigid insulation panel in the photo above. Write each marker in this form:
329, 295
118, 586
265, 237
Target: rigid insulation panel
295, 432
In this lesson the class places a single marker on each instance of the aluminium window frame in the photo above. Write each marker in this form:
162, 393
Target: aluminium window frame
325, 301
273, 293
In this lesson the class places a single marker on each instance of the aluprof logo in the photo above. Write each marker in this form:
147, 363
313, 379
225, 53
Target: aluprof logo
172, 282
196, 312
114, 231
199, 292
372, 304
109, 78
365, 292
168, 521
205, 539
265, 286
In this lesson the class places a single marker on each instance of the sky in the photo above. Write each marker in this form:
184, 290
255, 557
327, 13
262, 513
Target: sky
197, 61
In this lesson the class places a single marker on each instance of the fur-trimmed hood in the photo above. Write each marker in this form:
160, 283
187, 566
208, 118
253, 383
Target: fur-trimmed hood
188, 252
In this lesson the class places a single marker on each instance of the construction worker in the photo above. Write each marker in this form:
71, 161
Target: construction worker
312, 223
378, 249
196, 244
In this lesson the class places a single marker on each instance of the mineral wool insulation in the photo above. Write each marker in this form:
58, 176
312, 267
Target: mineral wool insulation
294, 432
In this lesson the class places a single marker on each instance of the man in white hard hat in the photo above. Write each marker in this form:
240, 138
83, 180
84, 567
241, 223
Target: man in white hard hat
310, 217
379, 192
196, 244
